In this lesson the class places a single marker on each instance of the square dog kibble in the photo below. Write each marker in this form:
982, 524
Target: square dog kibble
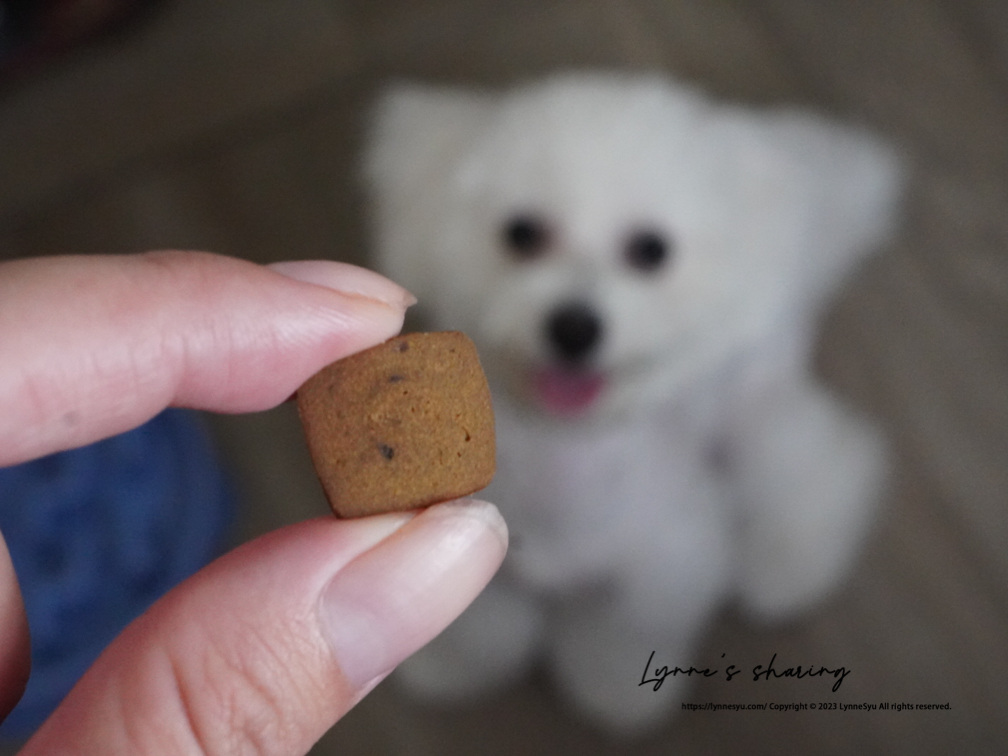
404, 424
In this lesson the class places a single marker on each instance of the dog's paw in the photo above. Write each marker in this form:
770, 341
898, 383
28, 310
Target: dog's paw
617, 676
609, 695
812, 492
489, 646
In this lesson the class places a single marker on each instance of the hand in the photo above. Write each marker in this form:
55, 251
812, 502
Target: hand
263, 650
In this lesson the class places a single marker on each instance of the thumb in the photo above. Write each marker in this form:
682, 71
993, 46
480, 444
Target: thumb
15, 647
262, 651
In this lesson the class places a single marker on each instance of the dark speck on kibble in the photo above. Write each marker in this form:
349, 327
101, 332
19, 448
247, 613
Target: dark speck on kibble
387, 451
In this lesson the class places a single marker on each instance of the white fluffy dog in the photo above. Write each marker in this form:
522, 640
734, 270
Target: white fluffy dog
642, 269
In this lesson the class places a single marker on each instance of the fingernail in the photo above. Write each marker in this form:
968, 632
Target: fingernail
346, 278
393, 599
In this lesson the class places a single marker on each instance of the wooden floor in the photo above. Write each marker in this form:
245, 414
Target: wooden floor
234, 126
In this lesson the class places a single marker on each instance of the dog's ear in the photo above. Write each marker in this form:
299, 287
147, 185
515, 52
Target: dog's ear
418, 134
840, 185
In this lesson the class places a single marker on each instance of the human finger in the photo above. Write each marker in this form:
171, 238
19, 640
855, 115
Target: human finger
266, 648
15, 652
93, 346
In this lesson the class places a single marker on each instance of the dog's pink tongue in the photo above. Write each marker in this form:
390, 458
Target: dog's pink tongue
566, 391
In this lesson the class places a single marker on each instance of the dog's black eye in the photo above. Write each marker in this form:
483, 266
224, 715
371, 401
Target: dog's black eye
647, 250
526, 236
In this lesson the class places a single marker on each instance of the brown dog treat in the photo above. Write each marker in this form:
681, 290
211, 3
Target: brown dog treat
401, 425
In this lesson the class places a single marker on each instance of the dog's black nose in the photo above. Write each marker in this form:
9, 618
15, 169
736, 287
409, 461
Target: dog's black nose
573, 330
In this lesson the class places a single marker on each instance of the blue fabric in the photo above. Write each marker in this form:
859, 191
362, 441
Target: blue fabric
97, 534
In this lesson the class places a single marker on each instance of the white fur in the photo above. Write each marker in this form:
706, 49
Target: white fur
712, 465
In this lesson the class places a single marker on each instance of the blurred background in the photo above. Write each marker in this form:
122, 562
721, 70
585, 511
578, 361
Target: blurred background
235, 126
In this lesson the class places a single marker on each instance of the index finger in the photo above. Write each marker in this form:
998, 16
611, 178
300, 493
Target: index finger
93, 346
